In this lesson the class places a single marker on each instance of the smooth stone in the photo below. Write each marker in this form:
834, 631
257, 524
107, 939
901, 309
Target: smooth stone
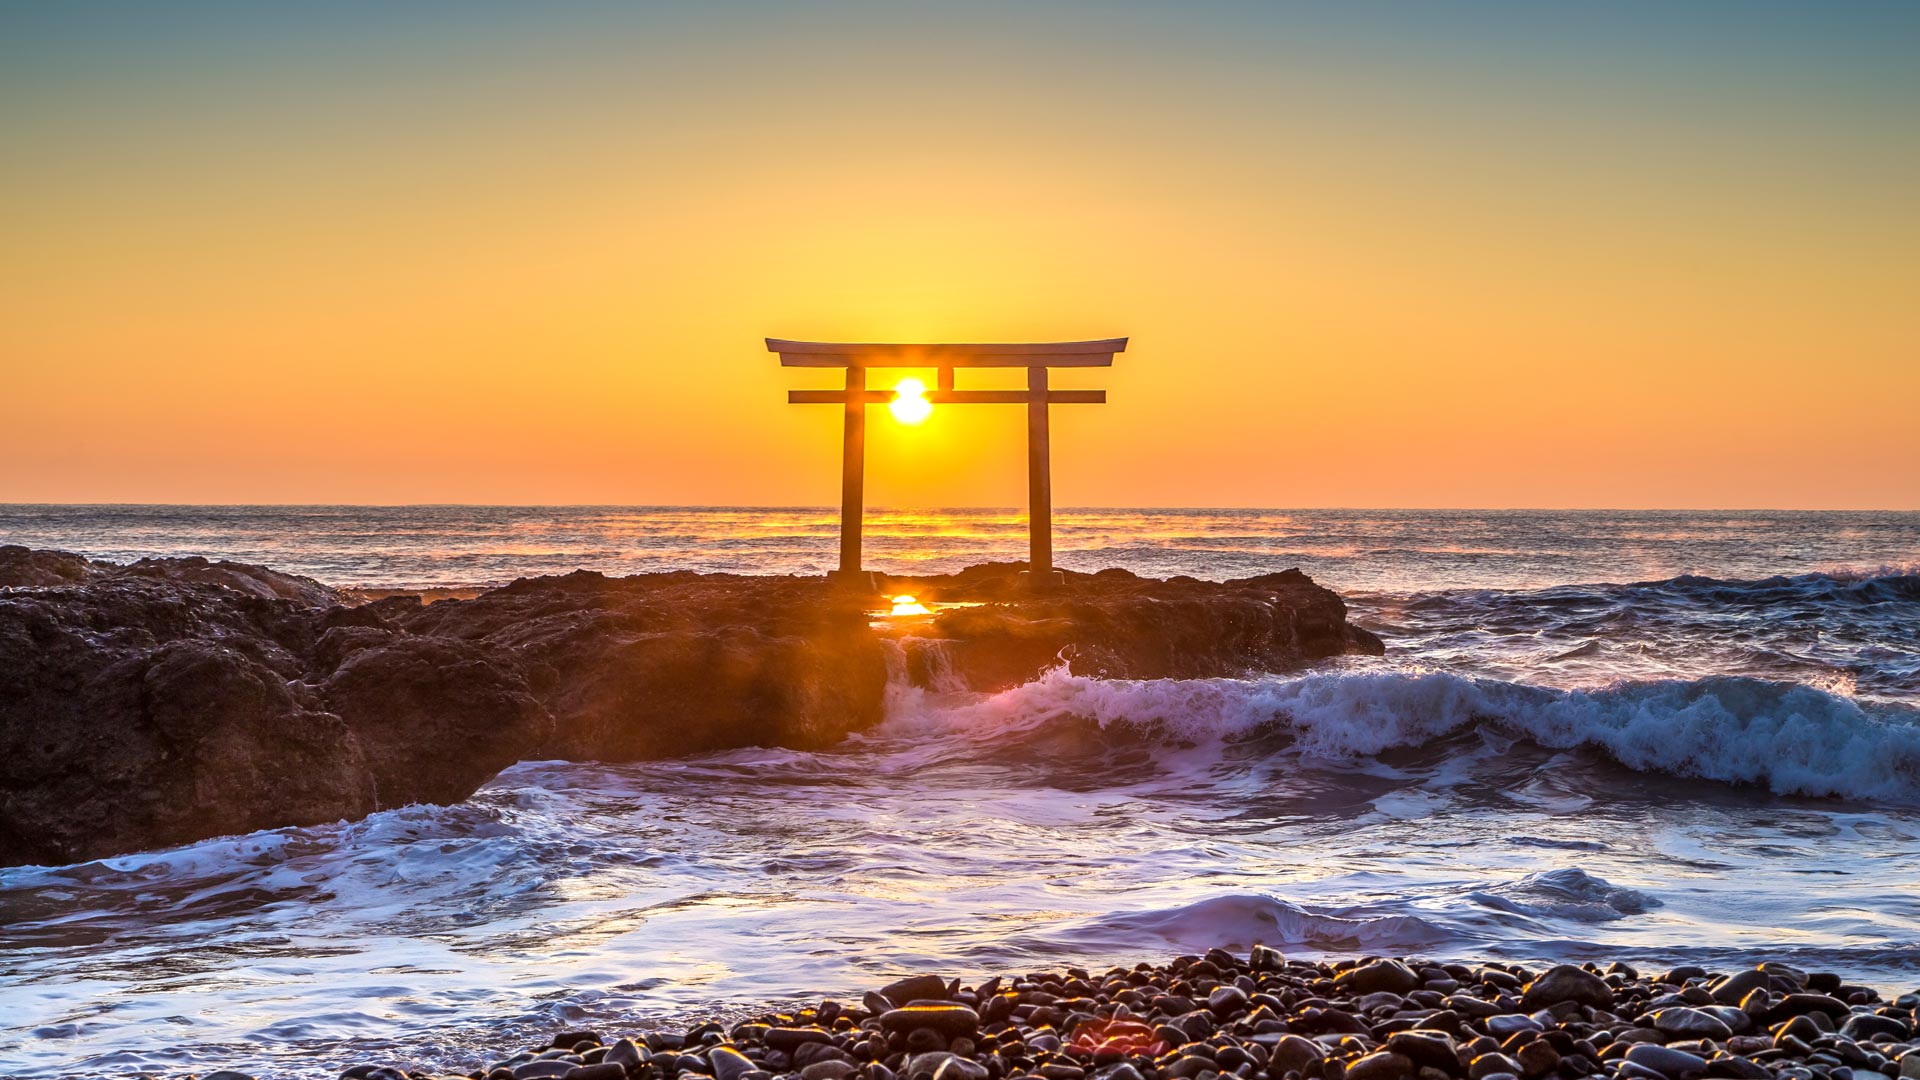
829, 1070
1910, 1065
1668, 1062
1433, 1049
1228, 1001
626, 1052
1863, 1026
914, 987
1388, 975
790, 1039
1734, 1017
1565, 982
1190, 1066
1537, 1058
1265, 958
1737, 1067
1732, 989
1382, 1065
534, 1070
941, 1065
1507, 1025
1123, 1071
1488, 1065
921, 1040
1802, 1004
951, 1021
606, 1070
729, 1064
1292, 1053
1691, 1024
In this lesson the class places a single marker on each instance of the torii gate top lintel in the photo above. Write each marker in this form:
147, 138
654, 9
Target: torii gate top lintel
1036, 357
1004, 354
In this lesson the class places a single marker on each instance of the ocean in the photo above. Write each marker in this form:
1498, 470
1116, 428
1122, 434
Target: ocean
1658, 737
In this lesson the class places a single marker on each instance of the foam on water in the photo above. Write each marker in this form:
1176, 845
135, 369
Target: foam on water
1789, 738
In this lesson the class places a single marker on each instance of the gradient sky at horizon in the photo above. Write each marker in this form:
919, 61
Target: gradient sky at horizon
1623, 255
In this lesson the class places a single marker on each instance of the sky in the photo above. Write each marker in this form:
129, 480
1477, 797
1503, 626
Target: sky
1473, 255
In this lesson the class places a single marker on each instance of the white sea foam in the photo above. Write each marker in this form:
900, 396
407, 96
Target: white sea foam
1789, 738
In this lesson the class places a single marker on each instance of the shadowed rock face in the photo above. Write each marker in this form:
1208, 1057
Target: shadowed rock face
173, 700
1119, 625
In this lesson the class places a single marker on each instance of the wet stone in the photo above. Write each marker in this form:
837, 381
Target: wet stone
1487, 1065
913, 988
1507, 1025
1687, 1023
1380, 975
1567, 983
1666, 1061
1426, 1048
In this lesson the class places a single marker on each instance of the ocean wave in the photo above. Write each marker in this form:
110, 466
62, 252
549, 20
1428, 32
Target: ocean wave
1786, 737
1244, 919
1567, 893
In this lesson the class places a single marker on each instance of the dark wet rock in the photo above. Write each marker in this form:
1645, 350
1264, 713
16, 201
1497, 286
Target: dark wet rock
599, 1071
1689, 1023
1228, 1001
950, 1021
941, 1065
1390, 976
1861, 1027
627, 1053
1537, 1058
25, 568
1806, 1004
914, 988
728, 1063
1667, 1061
1430, 1049
1487, 1065
1383, 1065
1510, 1024
1136, 627
1567, 983
1732, 989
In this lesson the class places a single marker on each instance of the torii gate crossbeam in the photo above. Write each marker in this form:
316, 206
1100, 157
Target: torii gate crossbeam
1036, 357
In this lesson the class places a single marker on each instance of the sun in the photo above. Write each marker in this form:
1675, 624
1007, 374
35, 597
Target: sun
910, 404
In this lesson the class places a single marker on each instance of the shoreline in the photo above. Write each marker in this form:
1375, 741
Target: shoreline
1252, 1015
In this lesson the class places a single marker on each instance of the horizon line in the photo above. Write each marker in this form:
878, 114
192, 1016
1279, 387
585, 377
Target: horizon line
829, 508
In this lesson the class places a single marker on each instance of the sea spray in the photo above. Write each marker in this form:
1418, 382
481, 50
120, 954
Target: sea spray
1788, 738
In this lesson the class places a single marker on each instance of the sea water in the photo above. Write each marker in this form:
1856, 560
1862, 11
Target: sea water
1658, 737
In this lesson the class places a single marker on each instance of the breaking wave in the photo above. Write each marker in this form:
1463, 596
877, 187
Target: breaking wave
1787, 737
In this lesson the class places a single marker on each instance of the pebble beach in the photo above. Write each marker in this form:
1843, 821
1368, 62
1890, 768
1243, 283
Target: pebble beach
1259, 1015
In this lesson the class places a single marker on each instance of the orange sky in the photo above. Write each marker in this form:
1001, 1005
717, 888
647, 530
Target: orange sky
1623, 258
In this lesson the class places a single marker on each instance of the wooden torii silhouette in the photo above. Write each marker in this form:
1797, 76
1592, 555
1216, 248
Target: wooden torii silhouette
1036, 357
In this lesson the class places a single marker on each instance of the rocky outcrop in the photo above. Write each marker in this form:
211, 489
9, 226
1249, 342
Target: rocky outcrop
172, 700
1116, 624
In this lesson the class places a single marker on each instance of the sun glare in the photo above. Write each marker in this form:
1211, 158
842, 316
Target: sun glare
910, 404
909, 605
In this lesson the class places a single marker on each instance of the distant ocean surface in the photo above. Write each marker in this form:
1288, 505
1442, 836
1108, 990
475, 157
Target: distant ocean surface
1660, 737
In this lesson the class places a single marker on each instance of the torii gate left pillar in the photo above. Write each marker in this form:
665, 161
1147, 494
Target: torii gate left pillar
1036, 357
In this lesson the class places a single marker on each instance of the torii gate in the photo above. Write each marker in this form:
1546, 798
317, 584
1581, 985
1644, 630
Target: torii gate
1036, 357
